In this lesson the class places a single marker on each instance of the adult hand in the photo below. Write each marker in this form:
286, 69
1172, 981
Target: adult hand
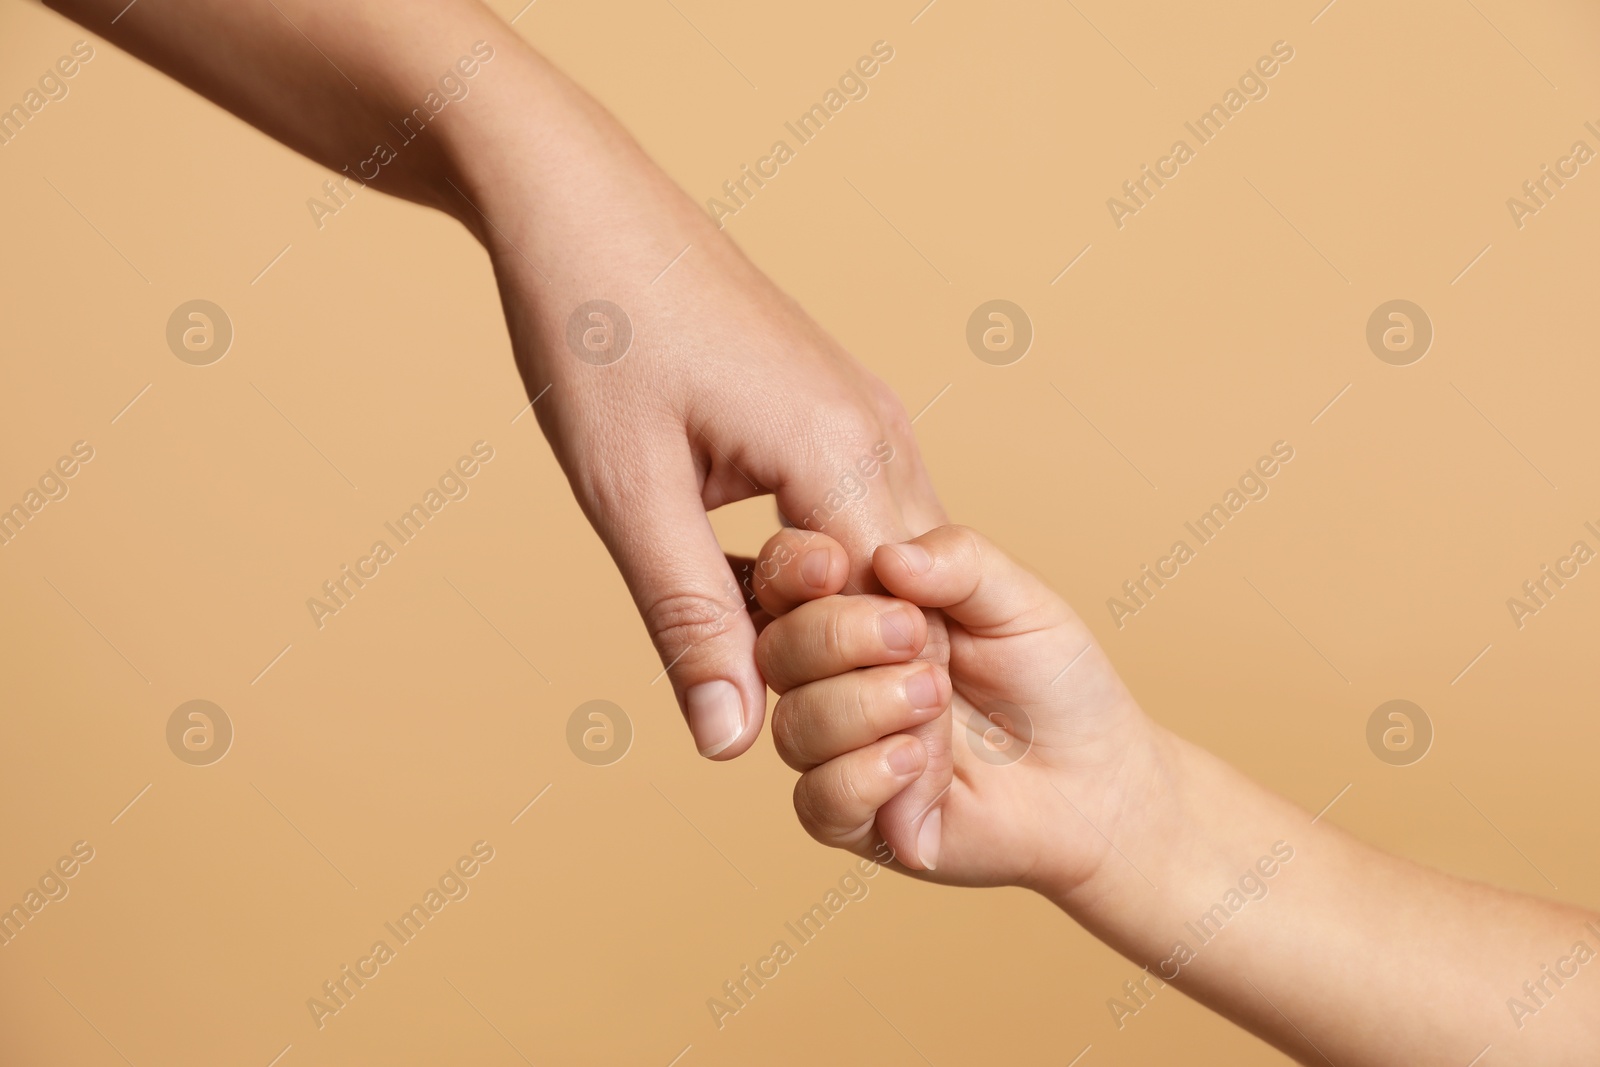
724, 389
697, 384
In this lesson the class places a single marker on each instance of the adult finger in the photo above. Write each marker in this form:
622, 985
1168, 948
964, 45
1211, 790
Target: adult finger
662, 541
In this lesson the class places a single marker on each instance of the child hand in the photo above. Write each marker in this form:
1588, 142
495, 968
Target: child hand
1049, 746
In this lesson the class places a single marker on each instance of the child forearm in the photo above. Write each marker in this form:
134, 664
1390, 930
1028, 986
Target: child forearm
1329, 949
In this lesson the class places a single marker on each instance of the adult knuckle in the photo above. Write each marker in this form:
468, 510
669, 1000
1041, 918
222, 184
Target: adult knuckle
680, 621
838, 423
891, 412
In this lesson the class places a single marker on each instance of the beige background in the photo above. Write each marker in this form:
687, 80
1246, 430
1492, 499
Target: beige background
1223, 317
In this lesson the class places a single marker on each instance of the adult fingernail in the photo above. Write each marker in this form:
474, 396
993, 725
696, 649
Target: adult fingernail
915, 557
903, 760
928, 840
716, 716
897, 631
922, 690
814, 568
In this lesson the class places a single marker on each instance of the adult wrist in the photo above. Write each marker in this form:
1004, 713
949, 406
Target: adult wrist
550, 182
478, 147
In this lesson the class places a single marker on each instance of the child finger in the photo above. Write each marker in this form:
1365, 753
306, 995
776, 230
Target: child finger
838, 634
819, 721
838, 801
796, 566
957, 569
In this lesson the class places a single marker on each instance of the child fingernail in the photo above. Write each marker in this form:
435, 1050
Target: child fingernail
716, 716
903, 760
928, 840
922, 690
814, 567
915, 557
897, 631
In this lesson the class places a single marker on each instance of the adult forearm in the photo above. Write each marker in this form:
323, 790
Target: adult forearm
341, 81
441, 103
1326, 947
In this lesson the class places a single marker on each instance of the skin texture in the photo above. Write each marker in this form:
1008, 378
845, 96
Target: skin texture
729, 389
1329, 949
